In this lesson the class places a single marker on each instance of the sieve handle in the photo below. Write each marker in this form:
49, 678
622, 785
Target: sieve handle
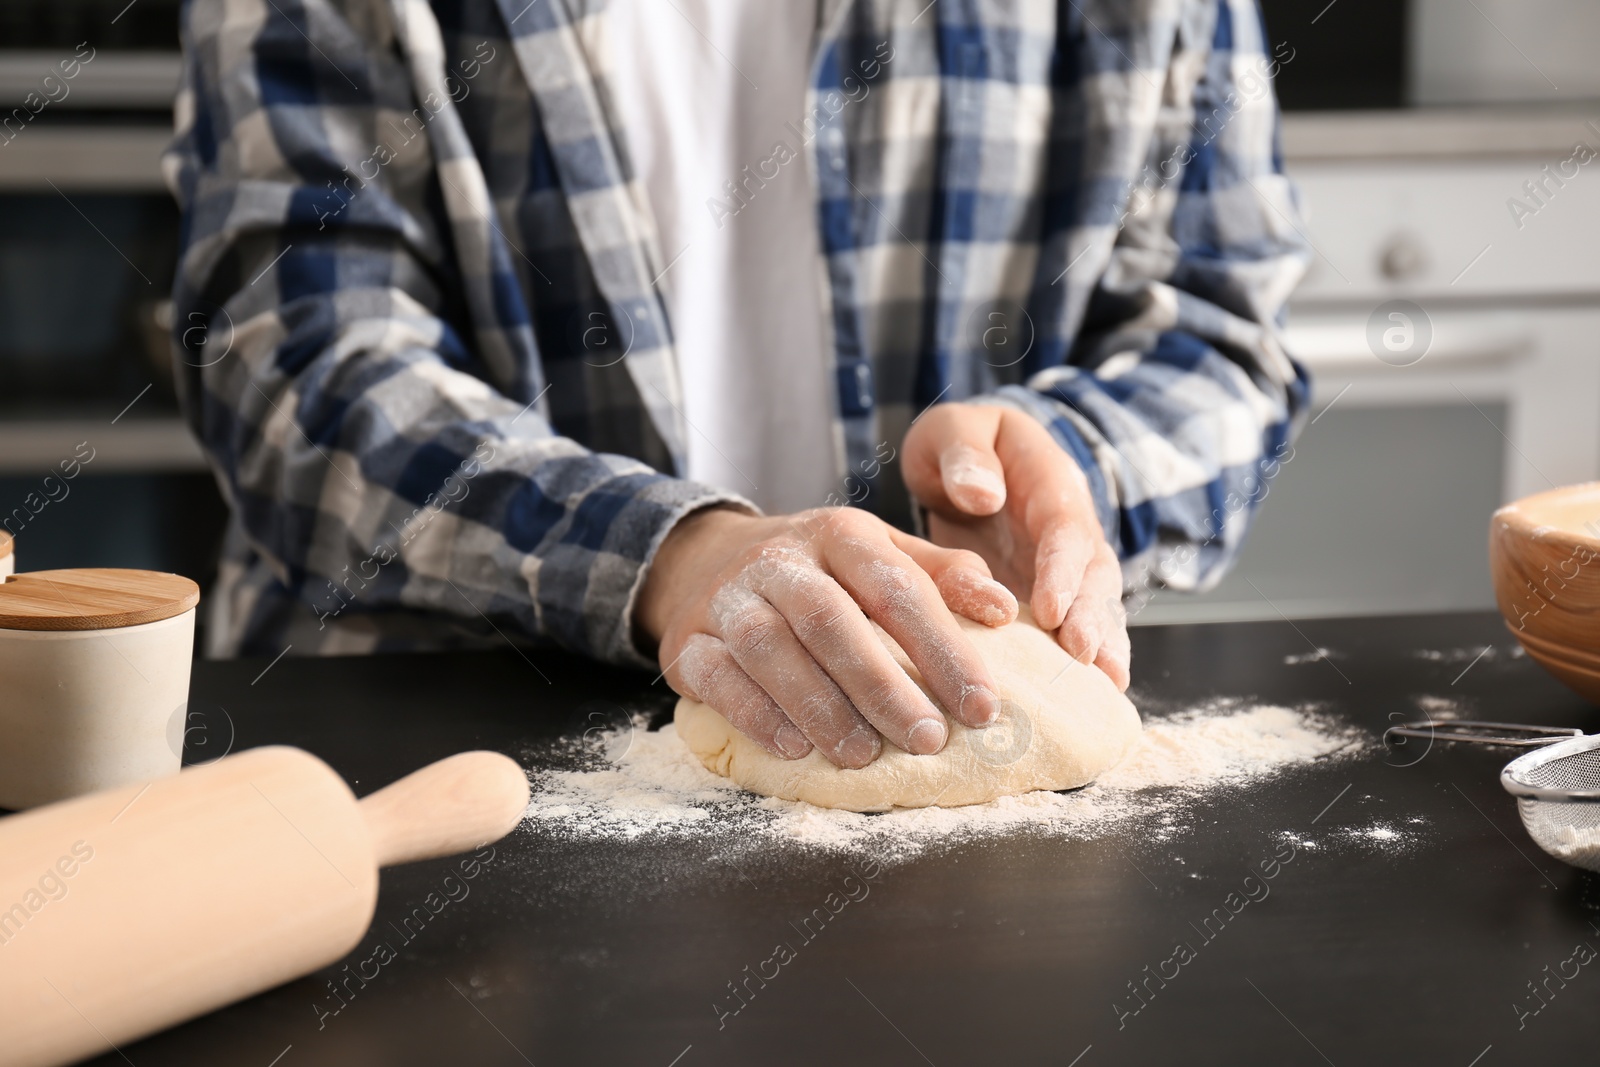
1480, 732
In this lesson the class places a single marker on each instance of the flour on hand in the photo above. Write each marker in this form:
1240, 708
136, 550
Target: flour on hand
1063, 724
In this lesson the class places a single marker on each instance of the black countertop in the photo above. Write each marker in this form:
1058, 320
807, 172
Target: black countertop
1018, 949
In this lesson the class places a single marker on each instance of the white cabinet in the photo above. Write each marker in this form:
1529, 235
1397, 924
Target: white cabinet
1457, 224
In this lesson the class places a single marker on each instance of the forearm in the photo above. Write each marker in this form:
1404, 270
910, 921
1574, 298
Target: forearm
374, 479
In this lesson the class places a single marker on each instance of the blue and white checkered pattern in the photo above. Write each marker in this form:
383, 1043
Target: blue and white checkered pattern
421, 342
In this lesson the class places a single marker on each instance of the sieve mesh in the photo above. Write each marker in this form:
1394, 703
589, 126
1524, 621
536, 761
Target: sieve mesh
1579, 770
1569, 832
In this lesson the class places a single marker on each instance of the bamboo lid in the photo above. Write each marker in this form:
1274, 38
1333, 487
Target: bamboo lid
92, 598
6, 544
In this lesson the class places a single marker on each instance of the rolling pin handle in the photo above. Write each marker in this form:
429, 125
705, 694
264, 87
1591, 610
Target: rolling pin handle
455, 805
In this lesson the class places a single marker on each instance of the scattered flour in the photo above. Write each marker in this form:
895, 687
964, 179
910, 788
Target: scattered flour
632, 782
1316, 656
1487, 653
1438, 709
1388, 836
1383, 834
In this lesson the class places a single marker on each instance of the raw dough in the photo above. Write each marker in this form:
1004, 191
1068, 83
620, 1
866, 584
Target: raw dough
1064, 723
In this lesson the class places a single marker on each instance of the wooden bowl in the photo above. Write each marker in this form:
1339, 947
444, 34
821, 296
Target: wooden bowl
1544, 560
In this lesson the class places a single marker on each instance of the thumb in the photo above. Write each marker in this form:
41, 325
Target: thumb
950, 461
972, 476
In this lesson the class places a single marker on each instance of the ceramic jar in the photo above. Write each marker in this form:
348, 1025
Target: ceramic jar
94, 680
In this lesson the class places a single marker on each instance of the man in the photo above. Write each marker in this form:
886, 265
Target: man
499, 318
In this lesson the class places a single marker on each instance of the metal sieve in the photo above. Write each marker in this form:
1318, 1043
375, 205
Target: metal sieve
1558, 796
1557, 784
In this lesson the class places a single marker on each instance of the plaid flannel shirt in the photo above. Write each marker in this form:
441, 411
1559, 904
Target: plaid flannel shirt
419, 337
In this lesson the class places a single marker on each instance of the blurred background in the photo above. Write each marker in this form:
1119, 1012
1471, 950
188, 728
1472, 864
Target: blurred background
1453, 335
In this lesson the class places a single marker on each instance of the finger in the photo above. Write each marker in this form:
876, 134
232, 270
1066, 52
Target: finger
963, 579
1090, 619
767, 650
982, 600
1066, 547
899, 595
706, 671
1115, 658
838, 636
972, 477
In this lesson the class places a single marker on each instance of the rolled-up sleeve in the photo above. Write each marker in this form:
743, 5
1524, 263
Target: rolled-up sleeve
1179, 400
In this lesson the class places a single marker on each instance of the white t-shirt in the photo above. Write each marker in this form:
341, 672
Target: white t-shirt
705, 89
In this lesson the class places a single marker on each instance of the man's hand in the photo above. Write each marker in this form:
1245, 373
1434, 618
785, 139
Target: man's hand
994, 481
765, 620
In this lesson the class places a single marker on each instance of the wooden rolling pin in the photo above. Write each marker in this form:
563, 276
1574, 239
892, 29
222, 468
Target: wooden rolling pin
131, 910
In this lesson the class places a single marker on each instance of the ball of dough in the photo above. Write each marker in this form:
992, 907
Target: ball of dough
1063, 724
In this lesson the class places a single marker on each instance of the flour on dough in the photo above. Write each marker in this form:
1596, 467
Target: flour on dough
1063, 724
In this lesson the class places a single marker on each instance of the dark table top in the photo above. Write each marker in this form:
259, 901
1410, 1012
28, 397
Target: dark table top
1016, 949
